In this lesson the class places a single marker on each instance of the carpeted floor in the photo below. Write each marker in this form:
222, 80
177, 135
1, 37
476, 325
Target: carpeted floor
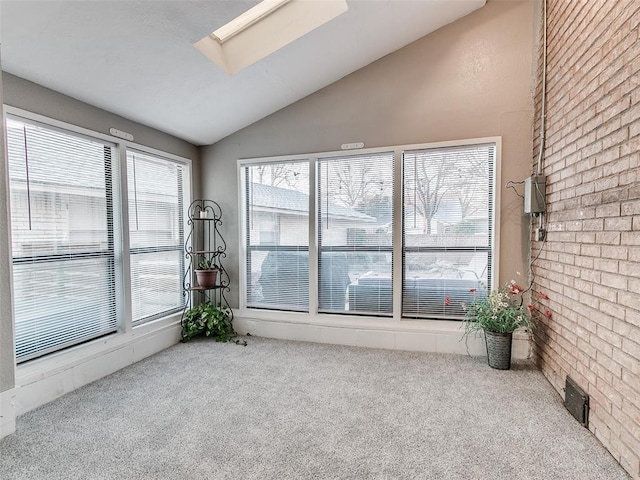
290, 410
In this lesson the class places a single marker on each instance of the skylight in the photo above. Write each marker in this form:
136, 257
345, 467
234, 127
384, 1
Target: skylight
248, 18
264, 29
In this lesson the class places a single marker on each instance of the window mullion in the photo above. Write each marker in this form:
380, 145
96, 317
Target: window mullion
246, 235
313, 239
494, 190
398, 219
123, 253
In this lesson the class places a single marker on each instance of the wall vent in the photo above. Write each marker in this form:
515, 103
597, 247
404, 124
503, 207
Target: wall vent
577, 402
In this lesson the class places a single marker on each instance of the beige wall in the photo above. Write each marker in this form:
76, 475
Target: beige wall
469, 79
29, 96
589, 266
35, 98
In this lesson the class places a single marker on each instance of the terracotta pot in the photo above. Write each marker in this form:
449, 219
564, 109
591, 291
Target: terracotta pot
207, 278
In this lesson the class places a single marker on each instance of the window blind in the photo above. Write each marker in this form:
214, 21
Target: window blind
277, 235
62, 219
447, 229
355, 195
156, 233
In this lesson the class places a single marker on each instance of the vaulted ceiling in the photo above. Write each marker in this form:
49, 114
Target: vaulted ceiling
136, 58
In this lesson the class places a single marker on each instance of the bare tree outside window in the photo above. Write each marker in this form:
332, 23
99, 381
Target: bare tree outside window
355, 243
452, 177
284, 175
447, 247
431, 173
447, 234
355, 183
472, 185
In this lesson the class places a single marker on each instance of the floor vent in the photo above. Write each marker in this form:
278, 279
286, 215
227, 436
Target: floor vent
577, 402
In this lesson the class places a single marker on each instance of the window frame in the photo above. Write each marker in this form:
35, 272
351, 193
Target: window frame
488, 249
346, 248
316, 317
126, 328
183, 204
245, 238
109, 254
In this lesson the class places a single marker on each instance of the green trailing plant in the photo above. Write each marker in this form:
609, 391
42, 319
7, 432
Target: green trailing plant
209, 320
501, 311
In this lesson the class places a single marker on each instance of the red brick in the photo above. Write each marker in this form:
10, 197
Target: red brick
630, 268
627, 361
630, 299
609, 238
620, 223
630, 208
590, 264
610, 337
613, 310
612, 210
613, 280
615, 195
630, 238
605, 293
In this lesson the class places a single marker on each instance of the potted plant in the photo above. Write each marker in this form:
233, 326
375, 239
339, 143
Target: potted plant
498, 315
207, 273
210, 320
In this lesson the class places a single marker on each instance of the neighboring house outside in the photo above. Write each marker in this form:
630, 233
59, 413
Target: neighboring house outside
448, 220
66, 234
281, 217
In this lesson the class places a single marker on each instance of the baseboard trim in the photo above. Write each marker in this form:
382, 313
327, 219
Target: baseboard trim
423, 337
7, 412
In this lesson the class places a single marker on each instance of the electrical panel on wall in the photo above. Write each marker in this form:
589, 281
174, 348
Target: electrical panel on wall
534, 189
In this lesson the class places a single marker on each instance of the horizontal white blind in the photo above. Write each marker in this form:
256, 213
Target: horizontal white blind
277, 229
62, 221
447, 228
355, 195
156, 234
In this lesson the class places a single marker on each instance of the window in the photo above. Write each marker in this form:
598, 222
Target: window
68, 227
429, 208
354, 234
156, 233
447, 234
277, 235
62, 219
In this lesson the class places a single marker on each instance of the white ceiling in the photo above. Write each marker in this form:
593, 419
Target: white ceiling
136, 58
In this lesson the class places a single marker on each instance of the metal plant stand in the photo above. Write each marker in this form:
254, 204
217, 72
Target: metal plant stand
204, 242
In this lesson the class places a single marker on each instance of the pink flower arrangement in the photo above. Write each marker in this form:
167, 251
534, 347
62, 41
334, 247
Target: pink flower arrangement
532, 309
501, 311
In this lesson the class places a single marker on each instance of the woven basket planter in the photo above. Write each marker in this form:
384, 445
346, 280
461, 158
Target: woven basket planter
498, 349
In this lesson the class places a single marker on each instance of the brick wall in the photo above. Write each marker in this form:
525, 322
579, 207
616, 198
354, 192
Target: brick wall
589, 266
